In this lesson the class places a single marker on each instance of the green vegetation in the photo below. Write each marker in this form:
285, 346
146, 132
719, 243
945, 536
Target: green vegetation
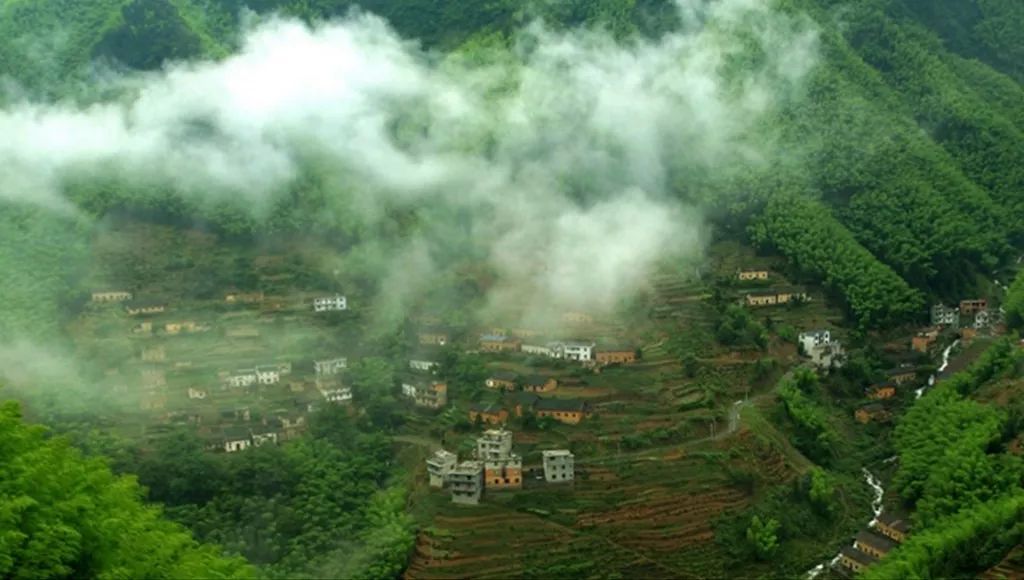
762, 535
818, 245
954, 469
65, 516
814, 436
970, 540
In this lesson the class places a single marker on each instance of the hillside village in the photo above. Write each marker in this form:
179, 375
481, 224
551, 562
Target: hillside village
548, 409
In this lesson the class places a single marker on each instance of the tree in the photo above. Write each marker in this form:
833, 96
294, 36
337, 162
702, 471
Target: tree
65, 516
820, 490
762, 536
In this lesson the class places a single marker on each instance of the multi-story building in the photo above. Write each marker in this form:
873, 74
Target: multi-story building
433, 337
466, 482
502, 468
494, 444
504, 473
814, 338
336, 393
236, 438
268, 374
430, 394
333, 303
549, 350
330, 366
439, 466
423, 364
582, 351
945, 315
242, 378
969, 307
559, 465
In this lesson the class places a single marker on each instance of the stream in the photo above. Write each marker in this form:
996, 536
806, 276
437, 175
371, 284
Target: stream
872, 481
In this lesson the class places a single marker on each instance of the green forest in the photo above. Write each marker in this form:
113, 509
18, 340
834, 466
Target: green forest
888, 177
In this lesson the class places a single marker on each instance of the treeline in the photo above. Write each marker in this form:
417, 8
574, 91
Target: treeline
989, 30
904, 198
815, 436
820, 247
971, 540
986, 145
65, 516
322, 506
954, 470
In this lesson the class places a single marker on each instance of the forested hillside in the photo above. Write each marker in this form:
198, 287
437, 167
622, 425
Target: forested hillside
914, 149
64, 516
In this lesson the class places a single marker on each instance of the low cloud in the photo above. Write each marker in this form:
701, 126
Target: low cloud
555, 159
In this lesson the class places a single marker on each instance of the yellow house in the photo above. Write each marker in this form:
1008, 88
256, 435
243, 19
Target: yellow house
178, 327
137, 308
111, 296
893, 527
854, 559
745, 275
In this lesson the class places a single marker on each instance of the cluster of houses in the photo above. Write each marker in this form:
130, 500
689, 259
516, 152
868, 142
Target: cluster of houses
268, 374
869, 546
239, 432
426, 393
494, 467
969, 318
878, 410
568, 411
583, 351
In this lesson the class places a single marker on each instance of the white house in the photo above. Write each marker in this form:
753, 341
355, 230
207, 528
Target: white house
439, 466
268, 374
331, 366
242, 378
945, 315
194, 393
330, 303
982, 319
559, 466
551, 350
236, 439
261, 437
408, 390
338, 394
422, 365
578, 351
813, 339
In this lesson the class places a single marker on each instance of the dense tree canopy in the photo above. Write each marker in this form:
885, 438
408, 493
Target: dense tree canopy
65, 516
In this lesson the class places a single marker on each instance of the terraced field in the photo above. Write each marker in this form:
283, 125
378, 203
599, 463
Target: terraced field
651, 515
